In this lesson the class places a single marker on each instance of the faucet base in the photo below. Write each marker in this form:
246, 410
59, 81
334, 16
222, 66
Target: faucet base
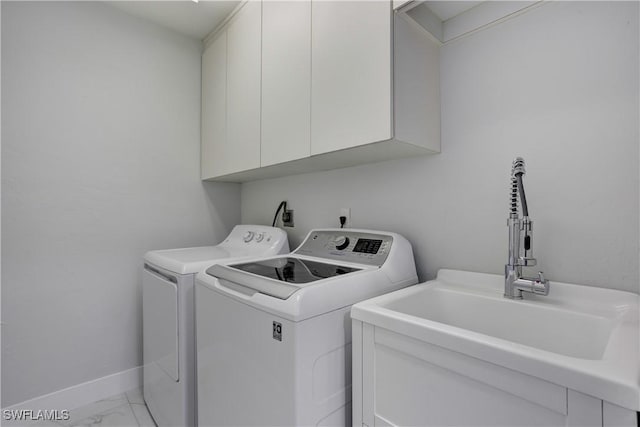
515, 286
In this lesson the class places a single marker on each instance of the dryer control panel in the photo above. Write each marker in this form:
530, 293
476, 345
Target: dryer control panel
347, 245
248, 240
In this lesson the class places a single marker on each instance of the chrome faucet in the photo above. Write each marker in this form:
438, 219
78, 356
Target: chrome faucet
514, 282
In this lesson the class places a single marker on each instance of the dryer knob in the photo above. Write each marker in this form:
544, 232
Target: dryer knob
259, 237
248, 236
342, 242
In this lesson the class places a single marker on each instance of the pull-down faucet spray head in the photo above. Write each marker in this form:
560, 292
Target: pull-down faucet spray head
517, 171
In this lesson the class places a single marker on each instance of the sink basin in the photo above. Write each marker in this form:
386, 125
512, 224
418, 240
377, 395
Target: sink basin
580, 337
550, 328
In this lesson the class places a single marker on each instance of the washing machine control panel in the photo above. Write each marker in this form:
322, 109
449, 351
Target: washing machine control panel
350, 246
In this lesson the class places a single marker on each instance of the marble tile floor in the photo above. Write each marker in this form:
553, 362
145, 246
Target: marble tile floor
123, 410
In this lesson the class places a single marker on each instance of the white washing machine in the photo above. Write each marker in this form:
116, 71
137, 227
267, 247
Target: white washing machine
274, 333
168, 317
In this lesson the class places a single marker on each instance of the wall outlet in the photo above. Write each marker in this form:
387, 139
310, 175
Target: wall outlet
287, 218
345, 212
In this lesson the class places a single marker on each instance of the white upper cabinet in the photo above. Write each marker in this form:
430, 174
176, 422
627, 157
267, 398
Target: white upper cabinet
214, 108
351, 74
286, 81
316, 85
243, 90
231, 91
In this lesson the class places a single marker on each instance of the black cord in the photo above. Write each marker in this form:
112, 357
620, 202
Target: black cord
275, 217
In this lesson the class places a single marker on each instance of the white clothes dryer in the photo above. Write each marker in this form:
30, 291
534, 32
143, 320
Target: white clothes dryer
274, 333
169, 383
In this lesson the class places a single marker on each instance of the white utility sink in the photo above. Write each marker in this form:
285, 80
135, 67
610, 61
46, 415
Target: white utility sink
543, 326
583, 338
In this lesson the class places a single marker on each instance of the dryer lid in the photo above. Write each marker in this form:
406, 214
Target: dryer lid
190, 260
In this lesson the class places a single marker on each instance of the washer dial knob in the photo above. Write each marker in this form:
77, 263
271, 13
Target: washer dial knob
259, 237
248, 236
341, 242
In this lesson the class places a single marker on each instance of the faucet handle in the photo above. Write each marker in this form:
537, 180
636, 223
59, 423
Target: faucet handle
541, 286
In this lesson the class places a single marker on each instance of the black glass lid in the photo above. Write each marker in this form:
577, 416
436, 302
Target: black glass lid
294, 270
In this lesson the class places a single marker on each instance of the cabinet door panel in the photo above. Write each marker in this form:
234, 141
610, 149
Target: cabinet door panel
286, 81
243, 90
351, 74
415, 383
214, 108
616, 416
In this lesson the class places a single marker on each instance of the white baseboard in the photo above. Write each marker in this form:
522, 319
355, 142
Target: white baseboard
82, 394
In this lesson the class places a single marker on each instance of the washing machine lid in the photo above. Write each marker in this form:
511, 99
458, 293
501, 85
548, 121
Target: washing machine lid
278, 277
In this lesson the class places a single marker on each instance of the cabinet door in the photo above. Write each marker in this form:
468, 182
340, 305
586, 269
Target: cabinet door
242, 149
407, 382
214, 108
286, 81
351, 74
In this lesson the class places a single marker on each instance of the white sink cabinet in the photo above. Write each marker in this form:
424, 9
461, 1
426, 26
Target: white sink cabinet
316, 85
419, 359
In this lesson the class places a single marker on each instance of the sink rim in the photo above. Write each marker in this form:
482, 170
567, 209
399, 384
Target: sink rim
614, 378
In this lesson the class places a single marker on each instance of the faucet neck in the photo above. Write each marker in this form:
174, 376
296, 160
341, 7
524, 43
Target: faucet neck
515, 283
514, 241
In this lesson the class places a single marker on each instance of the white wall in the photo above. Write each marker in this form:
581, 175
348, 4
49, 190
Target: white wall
100, 163
558, 86
0, 206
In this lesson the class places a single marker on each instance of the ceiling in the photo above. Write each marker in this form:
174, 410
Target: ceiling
448, 9
195, 20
